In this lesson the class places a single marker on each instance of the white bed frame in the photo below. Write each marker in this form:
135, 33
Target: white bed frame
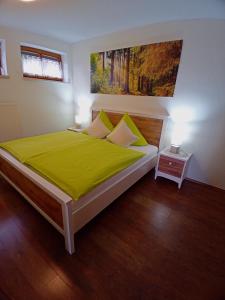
76, 214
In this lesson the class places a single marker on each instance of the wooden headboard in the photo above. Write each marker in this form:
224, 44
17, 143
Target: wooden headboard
150, 127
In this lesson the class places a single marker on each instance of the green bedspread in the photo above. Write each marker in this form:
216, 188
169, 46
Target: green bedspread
74, 162
29, 147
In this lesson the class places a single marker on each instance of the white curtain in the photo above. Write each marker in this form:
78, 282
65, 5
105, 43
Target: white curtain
41, 66
32, 65
51, 68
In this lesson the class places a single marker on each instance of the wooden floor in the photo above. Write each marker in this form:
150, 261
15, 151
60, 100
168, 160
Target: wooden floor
154, 243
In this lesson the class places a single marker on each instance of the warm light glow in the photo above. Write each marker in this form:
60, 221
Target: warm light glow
180, 132
181, 116
83, 114
27, 0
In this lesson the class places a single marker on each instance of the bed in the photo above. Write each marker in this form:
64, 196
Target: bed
58, 207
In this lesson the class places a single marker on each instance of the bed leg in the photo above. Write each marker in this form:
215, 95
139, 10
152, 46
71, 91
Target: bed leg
68, 227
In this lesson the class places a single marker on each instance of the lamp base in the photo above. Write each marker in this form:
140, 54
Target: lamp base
175, 149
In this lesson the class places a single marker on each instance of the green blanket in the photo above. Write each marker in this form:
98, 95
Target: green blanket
29, 147
74, 162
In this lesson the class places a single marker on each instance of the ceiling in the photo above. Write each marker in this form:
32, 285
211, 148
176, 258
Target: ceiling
74, 20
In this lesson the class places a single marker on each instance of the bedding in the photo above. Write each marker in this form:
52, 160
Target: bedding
97, 129
149, 150
25, 148
105, 119
100, 127
122, 135
75, 162
141, 141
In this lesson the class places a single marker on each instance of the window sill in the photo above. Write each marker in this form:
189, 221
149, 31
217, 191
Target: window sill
45, 80
4, 76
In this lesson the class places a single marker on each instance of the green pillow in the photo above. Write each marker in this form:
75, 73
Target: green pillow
105, 119
130, 123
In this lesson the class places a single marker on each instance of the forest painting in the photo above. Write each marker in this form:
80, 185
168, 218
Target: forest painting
149, 70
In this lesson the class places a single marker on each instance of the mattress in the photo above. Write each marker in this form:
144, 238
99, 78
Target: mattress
149, 160
76, 163
150, 150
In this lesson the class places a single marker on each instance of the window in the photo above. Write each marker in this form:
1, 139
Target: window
41, 64
3, 69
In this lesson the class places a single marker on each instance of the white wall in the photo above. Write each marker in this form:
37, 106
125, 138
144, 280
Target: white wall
200, 87
40, 106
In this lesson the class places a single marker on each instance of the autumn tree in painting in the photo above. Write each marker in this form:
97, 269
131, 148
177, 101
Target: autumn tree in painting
144, 70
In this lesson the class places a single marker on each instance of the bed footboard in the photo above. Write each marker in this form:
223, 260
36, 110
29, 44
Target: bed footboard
58, 214
40, 198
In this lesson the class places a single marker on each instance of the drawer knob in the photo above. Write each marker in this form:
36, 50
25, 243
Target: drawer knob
170, 163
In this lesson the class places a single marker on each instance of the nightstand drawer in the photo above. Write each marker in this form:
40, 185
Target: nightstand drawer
171, 166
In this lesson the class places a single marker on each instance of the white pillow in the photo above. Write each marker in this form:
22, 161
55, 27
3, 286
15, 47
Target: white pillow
122, 135
98, 129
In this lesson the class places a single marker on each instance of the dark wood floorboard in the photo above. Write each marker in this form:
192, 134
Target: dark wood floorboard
155, 242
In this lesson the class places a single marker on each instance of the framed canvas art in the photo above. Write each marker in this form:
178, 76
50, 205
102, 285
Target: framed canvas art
148, 70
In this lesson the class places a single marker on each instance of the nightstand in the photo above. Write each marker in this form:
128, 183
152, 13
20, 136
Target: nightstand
172, 166
75, 129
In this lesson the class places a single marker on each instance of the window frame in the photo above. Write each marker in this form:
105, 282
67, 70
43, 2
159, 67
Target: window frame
42, 54
3, 63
